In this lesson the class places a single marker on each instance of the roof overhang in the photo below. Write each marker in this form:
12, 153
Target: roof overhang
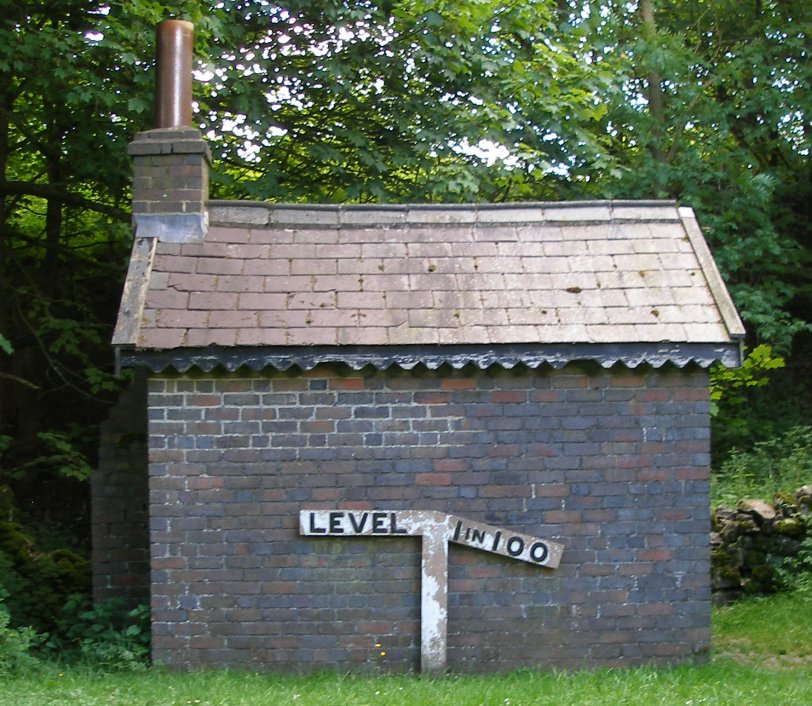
257, 359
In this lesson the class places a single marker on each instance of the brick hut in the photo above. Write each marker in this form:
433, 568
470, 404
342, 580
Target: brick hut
538, 367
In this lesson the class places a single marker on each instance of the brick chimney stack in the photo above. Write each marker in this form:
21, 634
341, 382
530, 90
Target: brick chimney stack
171, 162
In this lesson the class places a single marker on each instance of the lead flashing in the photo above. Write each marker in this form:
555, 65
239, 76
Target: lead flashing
172, 227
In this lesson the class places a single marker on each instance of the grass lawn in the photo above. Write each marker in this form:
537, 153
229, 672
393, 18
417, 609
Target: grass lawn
762, 654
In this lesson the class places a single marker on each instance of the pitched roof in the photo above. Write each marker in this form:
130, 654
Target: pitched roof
331, 278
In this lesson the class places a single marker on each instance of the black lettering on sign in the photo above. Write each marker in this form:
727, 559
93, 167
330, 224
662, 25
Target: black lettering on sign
357, 526
478, 536
335, 523
313, 528
515, 546
538, 552
393, 524
379, 523
496, 539
457, 530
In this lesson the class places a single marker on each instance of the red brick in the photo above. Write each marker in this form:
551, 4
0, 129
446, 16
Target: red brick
658, 554
450, 464
458, 383
628, 379
692, 473
555, 517
433, 479
508, 396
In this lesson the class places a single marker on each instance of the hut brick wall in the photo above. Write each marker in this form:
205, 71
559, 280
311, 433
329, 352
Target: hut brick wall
612, 463
120, 497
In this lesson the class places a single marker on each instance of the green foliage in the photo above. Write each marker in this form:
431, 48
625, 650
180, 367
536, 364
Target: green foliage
706, 103
736, 676
16, 645
57, 455
63, 457
736, 421
730, 383
106, 636
780, 465
366, 102
37, 580
796, 572
713, 110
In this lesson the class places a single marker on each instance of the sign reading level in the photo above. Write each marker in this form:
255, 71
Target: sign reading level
346, 522
437, 530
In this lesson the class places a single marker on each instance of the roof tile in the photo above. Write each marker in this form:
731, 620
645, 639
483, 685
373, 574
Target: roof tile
257, 301
169, 298
227, 235
181, 318
212, 301
304, 266
305, 300
240, 283
600, 272
161, 338
310, 336
218, 265
232, 319
266, 266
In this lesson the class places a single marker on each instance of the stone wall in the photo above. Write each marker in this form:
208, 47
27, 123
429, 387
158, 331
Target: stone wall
750, 543
613, 464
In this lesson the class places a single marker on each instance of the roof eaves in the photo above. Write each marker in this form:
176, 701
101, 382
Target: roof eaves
432, 357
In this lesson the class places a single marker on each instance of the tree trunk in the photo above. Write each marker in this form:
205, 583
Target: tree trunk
654, 91
53, 212
5, 299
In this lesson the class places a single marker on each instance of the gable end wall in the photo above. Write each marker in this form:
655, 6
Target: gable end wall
613, 464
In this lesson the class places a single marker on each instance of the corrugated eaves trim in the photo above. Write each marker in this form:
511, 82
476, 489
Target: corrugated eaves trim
433, 357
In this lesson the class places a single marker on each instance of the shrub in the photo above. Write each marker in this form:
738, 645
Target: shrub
107, 635
770, 468
15, 645
796, 573
36, 578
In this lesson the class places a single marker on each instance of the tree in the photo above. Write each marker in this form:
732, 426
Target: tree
364, 101
301, 100
714, 111
330, 100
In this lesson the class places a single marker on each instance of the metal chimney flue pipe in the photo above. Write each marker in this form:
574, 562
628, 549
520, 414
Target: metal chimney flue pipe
173, 82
